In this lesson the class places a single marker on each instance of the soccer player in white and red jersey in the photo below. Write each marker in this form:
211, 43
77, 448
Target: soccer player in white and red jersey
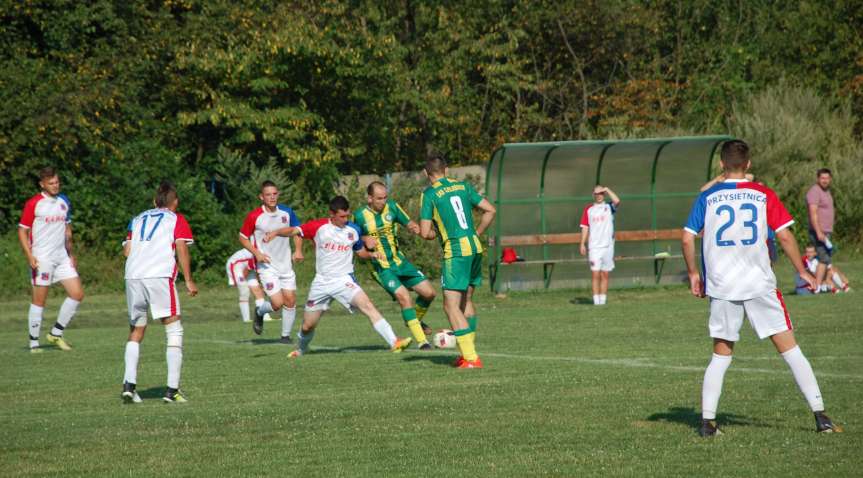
240, 270
45, 234
597, 239
734, 216
336, 240
151, 272
273, 258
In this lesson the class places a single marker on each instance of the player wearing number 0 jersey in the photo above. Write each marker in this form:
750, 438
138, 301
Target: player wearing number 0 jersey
734, 217
448, 205
152, 239
45, 235
336, 240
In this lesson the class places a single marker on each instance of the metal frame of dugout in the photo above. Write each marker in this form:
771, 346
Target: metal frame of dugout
539, 190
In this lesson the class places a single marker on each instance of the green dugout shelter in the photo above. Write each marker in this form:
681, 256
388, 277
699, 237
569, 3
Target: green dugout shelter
541, 189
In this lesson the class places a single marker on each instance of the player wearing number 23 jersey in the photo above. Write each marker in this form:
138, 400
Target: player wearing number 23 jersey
735, 216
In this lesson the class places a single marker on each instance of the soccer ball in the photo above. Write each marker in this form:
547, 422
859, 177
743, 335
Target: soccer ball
444, 339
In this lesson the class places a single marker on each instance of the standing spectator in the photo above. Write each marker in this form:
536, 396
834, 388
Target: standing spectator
820, 204
597, 239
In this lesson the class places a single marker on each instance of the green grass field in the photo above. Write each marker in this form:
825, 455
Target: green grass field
568, 390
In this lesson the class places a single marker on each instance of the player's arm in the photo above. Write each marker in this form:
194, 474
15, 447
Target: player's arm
615, 200
69, 244
585, 233
288, 231
184, 258
488, 212
426, 230
712, 182
24, 239
789, 245
370, 249
688, 246
247, 245
298, 248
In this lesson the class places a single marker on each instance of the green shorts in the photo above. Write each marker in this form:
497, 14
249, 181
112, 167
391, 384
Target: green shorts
458, 273
395, 276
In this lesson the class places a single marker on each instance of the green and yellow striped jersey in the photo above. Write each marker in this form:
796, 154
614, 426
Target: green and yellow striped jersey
449, 204
384, 226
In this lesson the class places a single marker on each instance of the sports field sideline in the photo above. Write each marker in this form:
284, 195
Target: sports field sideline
569, 389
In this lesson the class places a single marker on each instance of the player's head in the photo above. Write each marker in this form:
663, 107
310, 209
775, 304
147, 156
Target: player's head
598, 194
734, 156
377, 196
436, 167
49, 181
166, 196
825, 177
269, 194
810, 251
340, 211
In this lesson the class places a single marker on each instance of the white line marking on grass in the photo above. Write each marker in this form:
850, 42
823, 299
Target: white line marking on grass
638, 362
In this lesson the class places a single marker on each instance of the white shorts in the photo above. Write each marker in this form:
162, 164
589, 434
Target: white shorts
275, 282
601, 259
240, 273
767, 315
51, 271
322, 292
159, 296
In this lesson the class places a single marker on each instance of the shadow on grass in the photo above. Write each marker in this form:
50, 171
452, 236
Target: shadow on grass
152, 392
434, 358
689, 416
581, 301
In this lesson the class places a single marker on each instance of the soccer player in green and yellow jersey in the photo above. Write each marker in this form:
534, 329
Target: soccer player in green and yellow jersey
380, 220
449, 204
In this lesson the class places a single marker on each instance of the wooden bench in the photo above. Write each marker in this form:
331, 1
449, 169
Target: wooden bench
574, 239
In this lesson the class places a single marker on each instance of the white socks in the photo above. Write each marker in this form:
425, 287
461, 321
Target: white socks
599, 299
386, 331
805, 378
712, 387
67, 311
34, 319
264, 308
243, 290
132, 352
174, 357
288, 317
838, 281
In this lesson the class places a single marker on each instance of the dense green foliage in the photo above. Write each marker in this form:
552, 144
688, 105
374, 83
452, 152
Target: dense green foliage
218, 94
568, 390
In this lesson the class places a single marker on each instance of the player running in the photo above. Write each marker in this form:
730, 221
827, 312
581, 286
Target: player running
151, 273
449, 203
379, 224
597, 240
734, 216
336, 240
273, 259
45, 234
240, 269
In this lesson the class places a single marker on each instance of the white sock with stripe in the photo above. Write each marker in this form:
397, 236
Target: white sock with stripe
34, 319
712, 387
805, 378
288, 317
67, 311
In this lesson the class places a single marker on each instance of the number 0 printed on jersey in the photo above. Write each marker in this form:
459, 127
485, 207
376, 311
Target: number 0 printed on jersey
752, 224
159, 217
458, 207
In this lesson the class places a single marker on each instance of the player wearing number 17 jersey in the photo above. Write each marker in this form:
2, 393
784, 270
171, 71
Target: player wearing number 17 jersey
448, 204
734, 216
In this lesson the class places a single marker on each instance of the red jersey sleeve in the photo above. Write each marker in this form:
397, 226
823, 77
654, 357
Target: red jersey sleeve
778, 217
310, 228
28, 215
182, 231
584, 217
248, 228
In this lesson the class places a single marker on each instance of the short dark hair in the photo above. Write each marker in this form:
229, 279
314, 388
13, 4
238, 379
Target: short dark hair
436, 165
166, 194
339, 203
47, 173
372, 185
734, 154
268, 184
824, 171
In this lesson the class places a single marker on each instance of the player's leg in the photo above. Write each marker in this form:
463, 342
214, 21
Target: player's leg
243, 292
311, 317
726, 318
361, 301
605, 267
67, 276
409, 315
173, 358
838, 278
289, 306
425, 296
136, 300
468, 307
594, 257
256, 290
603, 287
270, 281
34, 314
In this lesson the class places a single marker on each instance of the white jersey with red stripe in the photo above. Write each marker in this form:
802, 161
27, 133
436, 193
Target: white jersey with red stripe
735, 216
153, 235
334, 247
240, 260
258, 223
47, 216
598, 218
